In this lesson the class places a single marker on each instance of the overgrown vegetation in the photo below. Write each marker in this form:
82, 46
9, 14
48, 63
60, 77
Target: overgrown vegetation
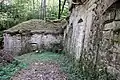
17, 11
9, 70
13, 12
74, 71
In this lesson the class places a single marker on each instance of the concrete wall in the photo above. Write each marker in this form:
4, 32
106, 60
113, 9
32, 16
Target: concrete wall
19, 44
93, 33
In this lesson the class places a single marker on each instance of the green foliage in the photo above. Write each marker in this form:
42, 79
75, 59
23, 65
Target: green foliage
22, 10
6, 72
52, 11
73, 69
76, 71
45, 56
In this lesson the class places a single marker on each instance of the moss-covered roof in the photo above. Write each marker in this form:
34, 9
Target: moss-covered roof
37, 25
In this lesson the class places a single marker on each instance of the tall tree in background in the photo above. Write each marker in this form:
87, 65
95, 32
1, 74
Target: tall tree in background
63, 6
59, 9
43, 9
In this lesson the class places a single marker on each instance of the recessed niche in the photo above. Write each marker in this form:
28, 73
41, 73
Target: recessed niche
80, 20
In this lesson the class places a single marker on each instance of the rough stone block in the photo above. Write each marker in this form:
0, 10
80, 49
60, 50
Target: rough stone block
116, 26
109, 15
117, 14
106, 34
109, 26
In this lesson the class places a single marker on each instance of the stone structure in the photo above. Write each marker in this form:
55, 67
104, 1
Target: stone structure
32, 35
93, 33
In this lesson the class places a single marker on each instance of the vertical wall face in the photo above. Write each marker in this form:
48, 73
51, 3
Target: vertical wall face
78, 31
18, 44
45, 41
93, 33
79, 25
111, 38
12, 43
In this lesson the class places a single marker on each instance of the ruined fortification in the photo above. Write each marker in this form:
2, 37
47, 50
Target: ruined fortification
93, 33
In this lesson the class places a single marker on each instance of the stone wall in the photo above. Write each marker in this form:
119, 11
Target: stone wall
19, 44
92, 34
110, 47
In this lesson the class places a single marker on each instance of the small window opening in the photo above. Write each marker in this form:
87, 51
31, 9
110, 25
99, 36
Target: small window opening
80, 20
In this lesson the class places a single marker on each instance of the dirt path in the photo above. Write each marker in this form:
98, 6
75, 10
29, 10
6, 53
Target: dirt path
40, 71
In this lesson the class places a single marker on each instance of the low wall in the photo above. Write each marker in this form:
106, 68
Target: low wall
19, 44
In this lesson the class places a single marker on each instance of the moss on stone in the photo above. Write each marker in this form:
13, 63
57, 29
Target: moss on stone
36, 24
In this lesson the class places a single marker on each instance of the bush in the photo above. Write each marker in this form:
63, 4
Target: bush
6, 72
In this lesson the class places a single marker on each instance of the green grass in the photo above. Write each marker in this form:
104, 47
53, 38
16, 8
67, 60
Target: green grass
46, 56
6, 72
67, 65
9, 70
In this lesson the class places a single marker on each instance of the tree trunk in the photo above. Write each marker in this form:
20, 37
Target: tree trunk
59, 9
43, 9
63, 6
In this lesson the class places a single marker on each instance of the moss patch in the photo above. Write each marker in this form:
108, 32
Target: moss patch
36, 24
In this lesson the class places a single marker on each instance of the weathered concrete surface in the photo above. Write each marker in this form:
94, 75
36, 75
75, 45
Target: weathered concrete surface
18, 45
93, 34
32, 35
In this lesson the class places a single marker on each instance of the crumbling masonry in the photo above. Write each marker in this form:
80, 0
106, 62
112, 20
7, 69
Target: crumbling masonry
93, 33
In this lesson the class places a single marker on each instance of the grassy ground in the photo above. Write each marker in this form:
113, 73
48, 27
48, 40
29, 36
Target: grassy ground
66, 64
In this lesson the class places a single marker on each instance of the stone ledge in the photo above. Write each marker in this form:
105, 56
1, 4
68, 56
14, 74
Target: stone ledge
35, 32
